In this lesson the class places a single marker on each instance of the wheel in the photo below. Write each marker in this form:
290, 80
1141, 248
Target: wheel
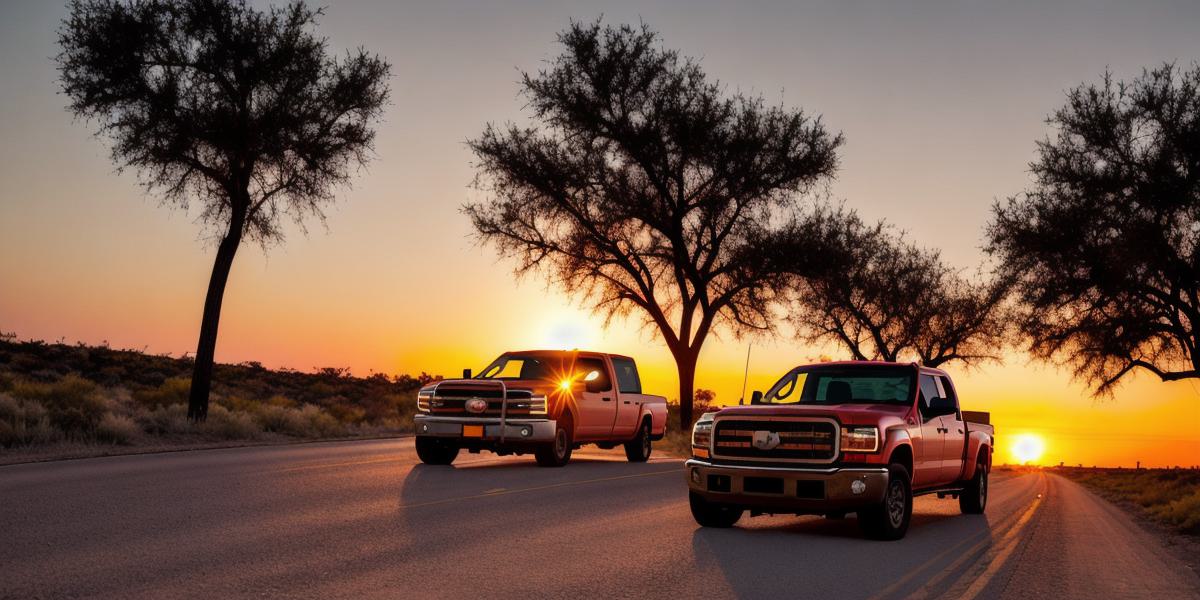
433, 451
558, 452
889, 519
712, 514
638, 449
973, 499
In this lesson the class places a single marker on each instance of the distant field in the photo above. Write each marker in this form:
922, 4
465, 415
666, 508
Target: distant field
1168, 496
60, 400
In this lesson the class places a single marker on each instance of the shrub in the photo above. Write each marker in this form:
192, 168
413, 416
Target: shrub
73, 403
225, 424
166, 420
172, 391
117, 429
279, 419
320, 423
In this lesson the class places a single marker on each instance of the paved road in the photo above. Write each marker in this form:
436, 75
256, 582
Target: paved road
364, 519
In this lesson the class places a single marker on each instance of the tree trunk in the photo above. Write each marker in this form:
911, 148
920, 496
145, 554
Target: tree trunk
686, 364
205, 350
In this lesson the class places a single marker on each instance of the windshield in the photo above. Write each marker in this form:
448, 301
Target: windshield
518, 367
844, 385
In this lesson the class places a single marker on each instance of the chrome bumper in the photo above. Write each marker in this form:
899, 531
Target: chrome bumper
795, 488
516, 431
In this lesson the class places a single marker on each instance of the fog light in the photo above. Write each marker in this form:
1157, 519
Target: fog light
424, 429
525, 432
696, 476
857, 486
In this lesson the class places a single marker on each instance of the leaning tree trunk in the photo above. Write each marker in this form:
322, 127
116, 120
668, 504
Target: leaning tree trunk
205, 350
686, 364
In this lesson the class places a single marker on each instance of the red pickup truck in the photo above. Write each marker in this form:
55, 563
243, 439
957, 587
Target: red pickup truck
541, 401
835, 438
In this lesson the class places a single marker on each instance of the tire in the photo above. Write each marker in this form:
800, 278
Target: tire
638, 449
973, 498
558, 452
712, 514
889, 520
433, 451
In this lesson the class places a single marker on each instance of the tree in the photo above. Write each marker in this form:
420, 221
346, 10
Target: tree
643, 186
1105, 242
240, 111
880, 298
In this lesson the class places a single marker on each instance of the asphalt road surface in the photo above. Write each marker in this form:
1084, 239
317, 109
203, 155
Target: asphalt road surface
365, 519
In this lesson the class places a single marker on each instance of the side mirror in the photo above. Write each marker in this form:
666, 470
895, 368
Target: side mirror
756, 397
466, 373
593, 383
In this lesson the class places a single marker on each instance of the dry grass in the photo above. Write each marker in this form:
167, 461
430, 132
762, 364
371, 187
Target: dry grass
1168, 496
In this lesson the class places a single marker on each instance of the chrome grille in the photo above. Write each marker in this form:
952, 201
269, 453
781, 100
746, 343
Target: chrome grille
807, 440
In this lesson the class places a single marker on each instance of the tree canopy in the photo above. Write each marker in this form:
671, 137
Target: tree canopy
882, 298
243, 112
1104, 244
643, 186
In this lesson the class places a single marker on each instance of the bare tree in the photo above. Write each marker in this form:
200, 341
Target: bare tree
643, 186
241, 111
880, 298
1106, 244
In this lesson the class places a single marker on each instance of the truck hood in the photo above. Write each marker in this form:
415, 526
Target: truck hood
852, 414
533, 385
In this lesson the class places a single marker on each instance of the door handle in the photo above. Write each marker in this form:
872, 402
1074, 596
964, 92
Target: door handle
943, 430
626, 402
960, 430
606, 398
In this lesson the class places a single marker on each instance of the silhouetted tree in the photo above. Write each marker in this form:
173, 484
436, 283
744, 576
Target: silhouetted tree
1106, 243
643, 186
239, 110
880, 298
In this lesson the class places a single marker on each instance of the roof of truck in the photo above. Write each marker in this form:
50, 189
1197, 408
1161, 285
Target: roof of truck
565, 352
851, 363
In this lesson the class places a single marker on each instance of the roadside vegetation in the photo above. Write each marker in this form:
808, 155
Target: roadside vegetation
59, 399
1168, 496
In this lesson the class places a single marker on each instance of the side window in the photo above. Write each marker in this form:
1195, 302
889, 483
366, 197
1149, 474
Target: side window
929, 394
587, 365
628, 381
947, 389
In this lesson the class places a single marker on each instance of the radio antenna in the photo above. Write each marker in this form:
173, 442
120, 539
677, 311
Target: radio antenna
745, 375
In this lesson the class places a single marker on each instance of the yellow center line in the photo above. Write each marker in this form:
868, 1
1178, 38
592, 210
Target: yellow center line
1002, 525
1000, 556
332, 465
493, 494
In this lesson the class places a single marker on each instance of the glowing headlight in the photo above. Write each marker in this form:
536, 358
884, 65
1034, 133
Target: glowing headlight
860, 439
537, 404
565, 385
423, 399
702, 436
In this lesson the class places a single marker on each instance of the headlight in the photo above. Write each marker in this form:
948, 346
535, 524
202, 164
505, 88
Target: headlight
860, 439
702, 437
423, 399
537, 404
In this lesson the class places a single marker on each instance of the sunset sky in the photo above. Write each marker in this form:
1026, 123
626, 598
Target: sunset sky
940, 102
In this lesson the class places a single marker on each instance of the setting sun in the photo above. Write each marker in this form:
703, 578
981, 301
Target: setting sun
1027, 448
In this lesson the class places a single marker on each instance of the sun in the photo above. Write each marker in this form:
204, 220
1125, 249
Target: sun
1027, 448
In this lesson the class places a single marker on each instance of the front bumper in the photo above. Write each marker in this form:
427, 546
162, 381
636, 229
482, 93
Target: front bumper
515, 431
787, 490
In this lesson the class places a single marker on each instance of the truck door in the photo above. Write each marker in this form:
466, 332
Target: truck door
955, 433
927, 464
597, 402
629, 400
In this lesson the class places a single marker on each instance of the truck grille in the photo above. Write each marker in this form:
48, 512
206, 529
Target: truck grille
451, 401
801, 440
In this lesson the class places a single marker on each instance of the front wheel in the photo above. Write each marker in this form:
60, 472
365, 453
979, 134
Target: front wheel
973, 499
889, 519
433, 451
638, 449
712, 514
558, 452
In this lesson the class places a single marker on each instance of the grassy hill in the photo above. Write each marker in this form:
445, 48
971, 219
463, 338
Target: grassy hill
77, 396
